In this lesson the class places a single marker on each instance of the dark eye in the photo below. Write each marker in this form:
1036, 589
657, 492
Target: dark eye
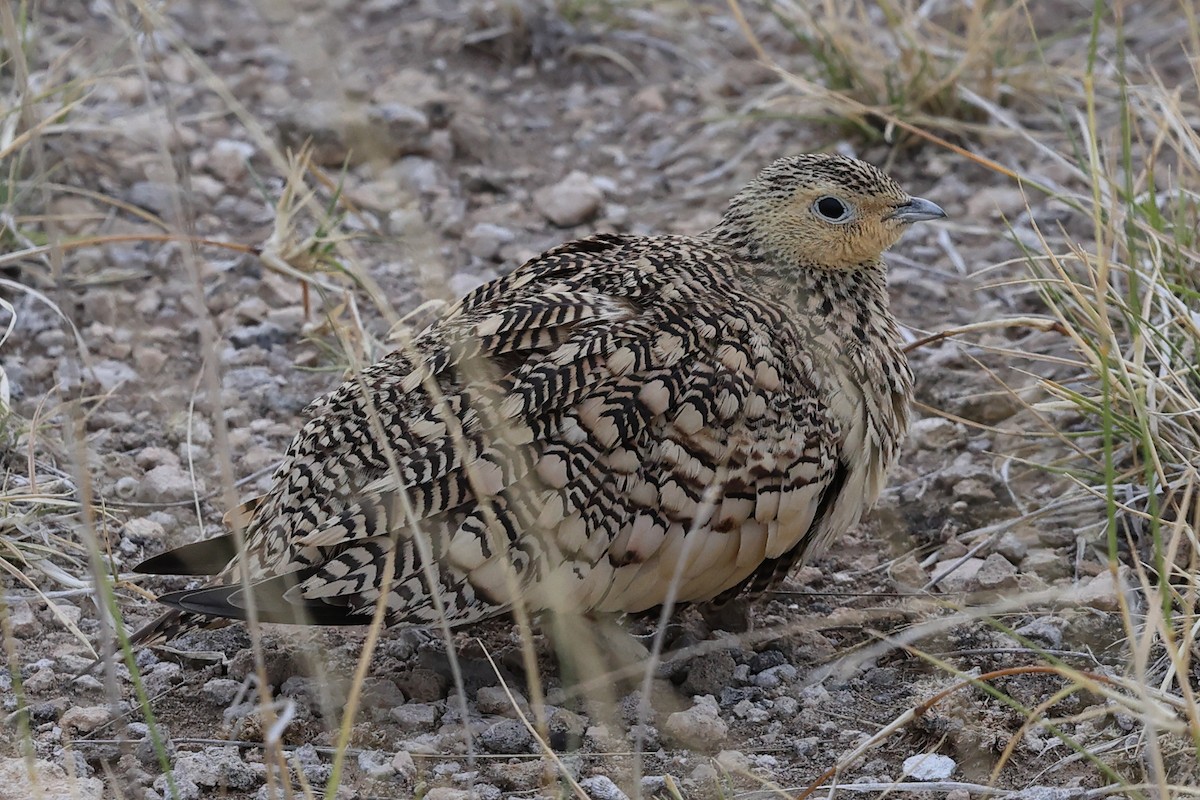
832, 209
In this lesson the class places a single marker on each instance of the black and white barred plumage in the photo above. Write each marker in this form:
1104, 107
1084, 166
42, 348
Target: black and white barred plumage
618, 413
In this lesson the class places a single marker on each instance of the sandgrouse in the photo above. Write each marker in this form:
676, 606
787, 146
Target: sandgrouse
620, 418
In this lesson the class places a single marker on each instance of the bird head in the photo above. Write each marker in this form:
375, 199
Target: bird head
819, 210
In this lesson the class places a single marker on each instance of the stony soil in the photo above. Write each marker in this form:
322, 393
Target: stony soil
478, 135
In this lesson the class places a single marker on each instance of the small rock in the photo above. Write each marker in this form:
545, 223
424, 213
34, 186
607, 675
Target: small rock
733, 761
572, 201
751, 711
143, 530
208, 187
158, 198
127, 487
415, 716
936, 433
929, 767
301, 689
645, 736
404, 129
75, 215
109, 375
1046, 563
600, 739
952, 550
700, 726
45, 780
988, 408
419, 175
882, 676
85, 719
956, 574
446, 793
708, 673
484, 240
279, 664
321, 123
1057, 535
508, 736
227, 159
153, 456
785, 707
215, 767
996, 573
973, 490
908, 573
1103, 592
493, 700
996, 202
654, 786
20, 617
376, 764
566, 728
315, 770
39, 713
705, 775
166, 483
650, 99
1046, 631
221, 691
1012, 545
41, 681
252, 381
262, 334
767, 659
163, 676
775, 677
601, 787
422, 685
380, 696
403, 764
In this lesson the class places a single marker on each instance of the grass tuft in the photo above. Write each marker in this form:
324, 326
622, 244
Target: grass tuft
916, 62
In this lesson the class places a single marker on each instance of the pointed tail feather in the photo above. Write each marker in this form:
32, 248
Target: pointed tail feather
206, 557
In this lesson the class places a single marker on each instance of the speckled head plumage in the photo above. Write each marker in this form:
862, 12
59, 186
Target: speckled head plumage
820, 210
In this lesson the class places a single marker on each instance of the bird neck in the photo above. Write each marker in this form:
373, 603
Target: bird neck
844, 321
733, 233
850, 304
846, 327
842, 313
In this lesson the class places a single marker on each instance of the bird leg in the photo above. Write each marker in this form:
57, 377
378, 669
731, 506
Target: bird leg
595, 648
601, 662
732, 616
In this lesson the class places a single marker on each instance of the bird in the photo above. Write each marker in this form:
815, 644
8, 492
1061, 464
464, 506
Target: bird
622, 422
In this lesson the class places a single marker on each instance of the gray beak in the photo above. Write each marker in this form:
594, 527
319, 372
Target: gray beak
916, 210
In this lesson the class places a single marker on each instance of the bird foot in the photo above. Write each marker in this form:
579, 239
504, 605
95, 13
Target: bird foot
732, 616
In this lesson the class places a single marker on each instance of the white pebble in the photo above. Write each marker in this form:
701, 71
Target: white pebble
929, 767
601, 787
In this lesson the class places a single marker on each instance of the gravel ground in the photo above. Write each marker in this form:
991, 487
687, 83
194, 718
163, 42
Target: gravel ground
475, 137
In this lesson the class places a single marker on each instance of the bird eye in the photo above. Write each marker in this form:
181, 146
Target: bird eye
831, 209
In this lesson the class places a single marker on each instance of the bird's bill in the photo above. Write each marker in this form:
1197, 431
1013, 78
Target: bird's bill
917, 210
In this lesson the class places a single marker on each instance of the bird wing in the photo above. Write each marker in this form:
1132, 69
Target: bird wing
613, 416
